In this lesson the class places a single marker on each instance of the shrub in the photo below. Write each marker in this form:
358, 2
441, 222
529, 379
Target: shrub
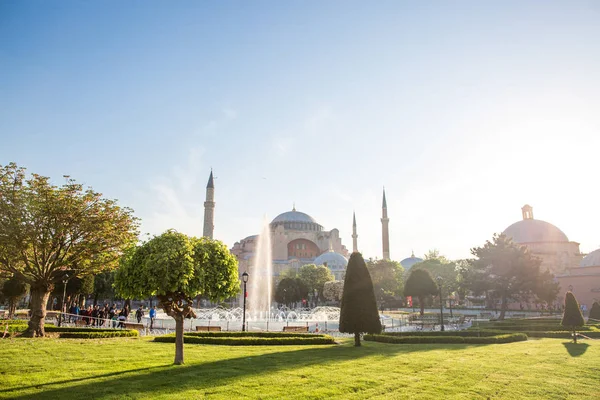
572, 318
250, 341
254, 334
468, 333
442, 339
595, 312
92, 334
75, 329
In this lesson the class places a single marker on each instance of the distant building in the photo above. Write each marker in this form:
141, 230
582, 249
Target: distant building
583, 280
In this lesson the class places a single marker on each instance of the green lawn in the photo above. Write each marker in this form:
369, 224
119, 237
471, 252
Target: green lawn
126, 368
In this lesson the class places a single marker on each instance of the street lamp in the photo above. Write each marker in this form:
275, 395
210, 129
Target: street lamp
439, 281
65, 280
245, 280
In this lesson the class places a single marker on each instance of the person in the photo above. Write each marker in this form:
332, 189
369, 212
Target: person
152, 316
139, 314
95, 316
122, 318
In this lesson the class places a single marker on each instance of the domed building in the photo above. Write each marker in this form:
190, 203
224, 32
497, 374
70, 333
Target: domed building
583, 280
408, 263
545, 241
297, 239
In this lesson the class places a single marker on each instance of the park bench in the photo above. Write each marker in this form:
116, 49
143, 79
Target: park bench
133, 325
214, 328
295, 328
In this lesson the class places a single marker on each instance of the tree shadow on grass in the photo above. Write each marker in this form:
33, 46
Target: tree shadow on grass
576, 349
204, 376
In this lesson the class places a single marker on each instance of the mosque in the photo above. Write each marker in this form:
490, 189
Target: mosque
298, 239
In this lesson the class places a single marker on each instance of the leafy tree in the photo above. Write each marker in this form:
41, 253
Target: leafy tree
440, 266
420, 284
314, 277
103, 286
572, 318
358, 312
290, 290
47, 229
595, 312
333, 291
508, 270
13, 289
387, 277
75, 287
177, 268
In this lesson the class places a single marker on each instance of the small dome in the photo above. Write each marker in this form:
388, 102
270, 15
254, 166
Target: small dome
591, 260
408, 263
535, 231
334, 260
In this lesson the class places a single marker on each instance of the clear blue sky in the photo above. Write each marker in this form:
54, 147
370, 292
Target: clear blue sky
464, 110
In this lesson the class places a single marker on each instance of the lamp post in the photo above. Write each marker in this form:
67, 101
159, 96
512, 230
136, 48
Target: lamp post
245, 280
439, 281
65, 280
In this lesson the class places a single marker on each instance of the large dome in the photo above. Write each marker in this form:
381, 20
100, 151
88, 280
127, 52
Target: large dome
408, 263
334, 260
592, 259
294, 216
535, 231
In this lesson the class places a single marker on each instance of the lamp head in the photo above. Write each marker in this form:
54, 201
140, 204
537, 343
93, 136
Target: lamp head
245, 277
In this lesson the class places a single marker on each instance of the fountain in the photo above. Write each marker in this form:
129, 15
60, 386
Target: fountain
261, 277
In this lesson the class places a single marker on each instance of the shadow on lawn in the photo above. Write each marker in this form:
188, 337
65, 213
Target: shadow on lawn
575, 350
198, 376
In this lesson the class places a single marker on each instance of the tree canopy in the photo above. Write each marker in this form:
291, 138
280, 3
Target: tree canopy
314, 277
46, 229
387, 277
358, 312
12, 290
333, 291
176, 268
290, 290
420, 284
572, 317
595, 312
509, 270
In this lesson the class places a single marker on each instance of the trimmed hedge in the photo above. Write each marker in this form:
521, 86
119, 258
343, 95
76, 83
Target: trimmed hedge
52, 328
254, 334
93, 334
250, 341
533, 327
507, 338
473, 333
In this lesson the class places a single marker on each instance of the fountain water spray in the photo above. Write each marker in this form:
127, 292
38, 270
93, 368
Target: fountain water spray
261, 276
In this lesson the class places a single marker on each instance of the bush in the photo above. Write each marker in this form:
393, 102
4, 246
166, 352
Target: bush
254, 334
595, 312
442, 339
93, 334
53, 328
468, 333
534, 327
250, 341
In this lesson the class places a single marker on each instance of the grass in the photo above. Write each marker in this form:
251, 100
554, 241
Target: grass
136, 368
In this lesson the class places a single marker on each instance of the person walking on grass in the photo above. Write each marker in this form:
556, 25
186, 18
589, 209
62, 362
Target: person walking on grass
152, 316
139, 314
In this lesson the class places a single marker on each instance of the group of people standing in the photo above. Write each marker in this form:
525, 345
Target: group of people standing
97, 316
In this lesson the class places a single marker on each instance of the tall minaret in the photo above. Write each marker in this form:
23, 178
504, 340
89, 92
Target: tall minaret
354, 235
385, 233
209, 208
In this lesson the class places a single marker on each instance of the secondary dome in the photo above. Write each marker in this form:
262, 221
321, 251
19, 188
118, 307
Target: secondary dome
408, 263
296, 220
334, 260
591, 260
531, 230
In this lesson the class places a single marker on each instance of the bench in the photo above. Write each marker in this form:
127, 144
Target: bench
295, 328
214, 328
133, 325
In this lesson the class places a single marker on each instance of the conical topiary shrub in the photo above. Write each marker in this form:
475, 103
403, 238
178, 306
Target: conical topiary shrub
595, 312
572, 318
359, 310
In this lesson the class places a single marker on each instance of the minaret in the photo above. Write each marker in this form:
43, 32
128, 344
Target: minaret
354, 235
209, 208
385, 233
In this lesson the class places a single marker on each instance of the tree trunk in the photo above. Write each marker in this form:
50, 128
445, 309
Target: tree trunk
39, 298
179, 339
422, 304
503, 307
12, 307
574, 336
357, 339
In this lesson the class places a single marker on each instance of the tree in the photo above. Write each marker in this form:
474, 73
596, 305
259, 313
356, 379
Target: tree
103, 286
47, 229
572, 318
177, 268
75, 287
314, 277
595, 312
508, 270
420, 284
387, 278
358, 312
13, 289
290, 290
440, 266
333, 291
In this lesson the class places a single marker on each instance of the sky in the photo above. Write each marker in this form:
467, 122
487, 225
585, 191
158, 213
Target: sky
464, 111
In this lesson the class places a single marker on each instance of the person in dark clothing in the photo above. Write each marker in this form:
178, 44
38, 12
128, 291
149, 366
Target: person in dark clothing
95, 316
139, 314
